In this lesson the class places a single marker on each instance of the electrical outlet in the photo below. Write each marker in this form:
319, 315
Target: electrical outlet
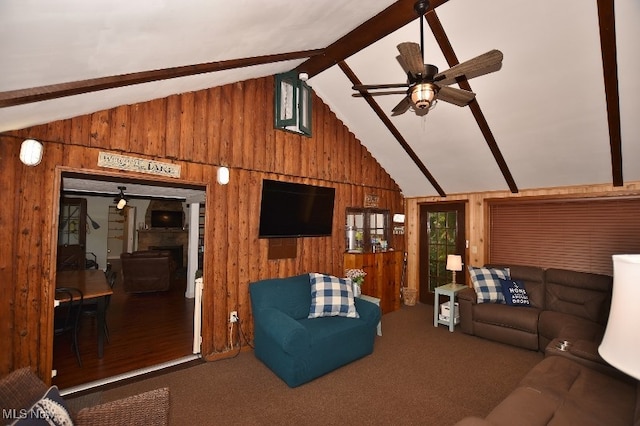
233, 316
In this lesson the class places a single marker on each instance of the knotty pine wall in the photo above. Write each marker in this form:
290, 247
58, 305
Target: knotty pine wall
477, 220
230, 125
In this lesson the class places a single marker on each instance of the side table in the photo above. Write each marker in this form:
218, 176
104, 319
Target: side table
375, 301
446, 290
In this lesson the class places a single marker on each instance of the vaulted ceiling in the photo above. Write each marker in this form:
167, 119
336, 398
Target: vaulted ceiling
561, 111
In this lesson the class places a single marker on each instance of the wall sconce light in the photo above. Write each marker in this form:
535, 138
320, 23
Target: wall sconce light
223, 175
454, 263
31, 152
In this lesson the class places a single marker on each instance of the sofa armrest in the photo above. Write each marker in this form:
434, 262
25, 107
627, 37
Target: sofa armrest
467, 298
369, 312
468, 295
283, 330
148, 409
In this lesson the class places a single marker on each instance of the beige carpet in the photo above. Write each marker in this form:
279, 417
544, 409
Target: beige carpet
417, 375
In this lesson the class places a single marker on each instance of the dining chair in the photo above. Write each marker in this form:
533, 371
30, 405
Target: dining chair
67, 315
90, 308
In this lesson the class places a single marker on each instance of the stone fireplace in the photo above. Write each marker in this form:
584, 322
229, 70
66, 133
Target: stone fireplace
175, 240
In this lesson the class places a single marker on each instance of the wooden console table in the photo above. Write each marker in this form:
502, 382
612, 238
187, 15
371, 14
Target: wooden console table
384, 273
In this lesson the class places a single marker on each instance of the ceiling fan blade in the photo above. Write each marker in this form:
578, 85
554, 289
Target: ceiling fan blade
403, 64
455, 96
412, 56
378, 86
402, 107
393, 92
480, 65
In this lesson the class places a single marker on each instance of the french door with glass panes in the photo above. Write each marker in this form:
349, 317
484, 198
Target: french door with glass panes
442, 232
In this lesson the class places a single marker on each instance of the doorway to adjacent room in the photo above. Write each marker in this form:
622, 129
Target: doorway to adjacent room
147, 329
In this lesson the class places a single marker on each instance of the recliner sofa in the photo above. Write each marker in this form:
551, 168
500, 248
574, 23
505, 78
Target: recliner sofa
565, 304
573, 385
297, 348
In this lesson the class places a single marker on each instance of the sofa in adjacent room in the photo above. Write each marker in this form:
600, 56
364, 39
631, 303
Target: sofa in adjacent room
301, 333
147, 271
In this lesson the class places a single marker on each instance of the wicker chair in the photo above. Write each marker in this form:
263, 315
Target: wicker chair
22, 388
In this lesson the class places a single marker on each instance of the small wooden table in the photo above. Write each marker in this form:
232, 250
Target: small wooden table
93, 285
446, 290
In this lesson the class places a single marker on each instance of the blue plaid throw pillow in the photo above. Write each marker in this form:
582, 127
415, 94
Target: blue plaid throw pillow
331, 296
486, 283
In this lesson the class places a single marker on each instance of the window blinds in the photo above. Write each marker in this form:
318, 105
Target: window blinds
572, 234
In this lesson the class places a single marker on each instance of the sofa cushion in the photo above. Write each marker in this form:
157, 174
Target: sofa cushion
486, 283
331, 296
525, 319
291, 295
514, 292
48, 410
580, 294
585, 396
565, 326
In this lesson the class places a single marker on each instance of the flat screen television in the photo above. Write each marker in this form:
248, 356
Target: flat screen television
295, 210
166, 219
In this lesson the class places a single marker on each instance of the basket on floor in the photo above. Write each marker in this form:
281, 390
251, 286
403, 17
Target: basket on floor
409, 295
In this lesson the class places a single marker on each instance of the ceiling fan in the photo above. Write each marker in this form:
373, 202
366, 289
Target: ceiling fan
425, 85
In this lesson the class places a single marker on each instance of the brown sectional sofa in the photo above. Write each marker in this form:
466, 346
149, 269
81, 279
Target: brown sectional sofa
147, 271
564, 304
559, 392
573, 385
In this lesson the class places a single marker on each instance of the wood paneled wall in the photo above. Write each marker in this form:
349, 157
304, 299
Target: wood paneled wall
477, 227
230, 125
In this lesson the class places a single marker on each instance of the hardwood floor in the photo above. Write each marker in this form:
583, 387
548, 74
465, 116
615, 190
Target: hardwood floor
145, 329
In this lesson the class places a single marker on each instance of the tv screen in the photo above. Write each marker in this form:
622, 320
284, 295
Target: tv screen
295, 210
166, 219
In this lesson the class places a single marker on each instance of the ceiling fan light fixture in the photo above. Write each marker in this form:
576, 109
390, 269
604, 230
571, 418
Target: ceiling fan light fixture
423, 95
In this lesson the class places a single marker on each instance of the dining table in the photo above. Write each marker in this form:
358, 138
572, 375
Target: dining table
93, 285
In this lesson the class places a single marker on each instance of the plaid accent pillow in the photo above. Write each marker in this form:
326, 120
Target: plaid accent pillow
486, 283
331, 296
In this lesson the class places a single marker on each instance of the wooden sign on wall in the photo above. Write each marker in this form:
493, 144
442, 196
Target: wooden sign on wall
371, 200
141, 165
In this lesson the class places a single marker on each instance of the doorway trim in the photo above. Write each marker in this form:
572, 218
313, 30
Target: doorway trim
460, 207
47, 315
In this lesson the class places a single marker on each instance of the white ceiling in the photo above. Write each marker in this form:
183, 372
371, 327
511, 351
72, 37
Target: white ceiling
546, 106
80, 186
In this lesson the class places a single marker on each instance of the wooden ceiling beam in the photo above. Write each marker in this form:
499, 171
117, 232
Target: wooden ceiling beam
447, 50
607, 23
389, 20
54, 91
394, 131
